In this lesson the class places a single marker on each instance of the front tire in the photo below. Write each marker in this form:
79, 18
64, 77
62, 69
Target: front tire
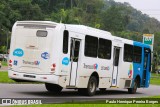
53, 88
134, 89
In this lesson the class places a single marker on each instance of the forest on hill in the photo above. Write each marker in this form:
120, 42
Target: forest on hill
121, 19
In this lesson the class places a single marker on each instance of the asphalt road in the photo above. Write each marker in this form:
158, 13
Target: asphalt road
39, 91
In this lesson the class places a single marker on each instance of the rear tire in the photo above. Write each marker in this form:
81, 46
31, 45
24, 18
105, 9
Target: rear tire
134, 89
53, 88
91, 88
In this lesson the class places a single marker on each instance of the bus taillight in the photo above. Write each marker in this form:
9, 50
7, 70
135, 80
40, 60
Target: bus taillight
10, 63
53, 67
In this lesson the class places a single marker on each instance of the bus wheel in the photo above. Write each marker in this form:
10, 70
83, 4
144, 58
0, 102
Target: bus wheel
92, 85
91, 88
134, 89
102, 89
53, 88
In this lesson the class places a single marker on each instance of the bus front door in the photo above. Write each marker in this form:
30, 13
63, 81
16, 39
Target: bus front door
146, 66
74, 56
115, 66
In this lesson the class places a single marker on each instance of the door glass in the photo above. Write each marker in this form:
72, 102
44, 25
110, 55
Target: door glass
116, 59
76, 51
145, 61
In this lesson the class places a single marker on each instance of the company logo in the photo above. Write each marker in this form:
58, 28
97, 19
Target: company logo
31, 63
130, 71
105, 68
18, 52
17, 101
148, 39
94, 66
65, 61
6, 102
45, 55
15, 62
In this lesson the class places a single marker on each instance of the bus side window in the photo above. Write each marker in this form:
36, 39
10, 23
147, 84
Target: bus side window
91, 46
104, 49
137, 54
65, 41
128, 53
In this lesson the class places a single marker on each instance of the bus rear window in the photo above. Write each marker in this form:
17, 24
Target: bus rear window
41, 33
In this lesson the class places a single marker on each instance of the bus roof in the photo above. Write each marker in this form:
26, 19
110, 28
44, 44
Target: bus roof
37, 22
88, 30
83, 30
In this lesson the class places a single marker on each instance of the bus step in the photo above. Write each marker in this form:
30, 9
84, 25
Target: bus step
114, 87
69, 86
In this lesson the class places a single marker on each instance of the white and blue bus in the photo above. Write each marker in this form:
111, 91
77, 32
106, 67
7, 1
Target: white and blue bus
77, 57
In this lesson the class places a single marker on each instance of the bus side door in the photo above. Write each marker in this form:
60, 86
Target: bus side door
146, 67
116, 56
74, 57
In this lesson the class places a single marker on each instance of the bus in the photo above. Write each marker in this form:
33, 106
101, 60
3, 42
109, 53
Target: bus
77, 57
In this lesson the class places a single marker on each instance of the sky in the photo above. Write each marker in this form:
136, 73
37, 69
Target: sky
150, 7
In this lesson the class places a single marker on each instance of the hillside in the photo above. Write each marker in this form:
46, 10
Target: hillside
119, 18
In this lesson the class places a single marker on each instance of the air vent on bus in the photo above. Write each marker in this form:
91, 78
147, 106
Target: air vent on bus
127, 83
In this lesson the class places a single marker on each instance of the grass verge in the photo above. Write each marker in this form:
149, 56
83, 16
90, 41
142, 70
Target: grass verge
155, 79
4, 63
4, 77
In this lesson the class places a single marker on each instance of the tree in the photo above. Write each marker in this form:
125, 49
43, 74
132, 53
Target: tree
27, 10
113, 19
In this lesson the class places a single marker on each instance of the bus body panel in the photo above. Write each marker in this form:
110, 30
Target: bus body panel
32, 57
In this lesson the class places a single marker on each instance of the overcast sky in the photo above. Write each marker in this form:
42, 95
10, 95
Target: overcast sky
150, 7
